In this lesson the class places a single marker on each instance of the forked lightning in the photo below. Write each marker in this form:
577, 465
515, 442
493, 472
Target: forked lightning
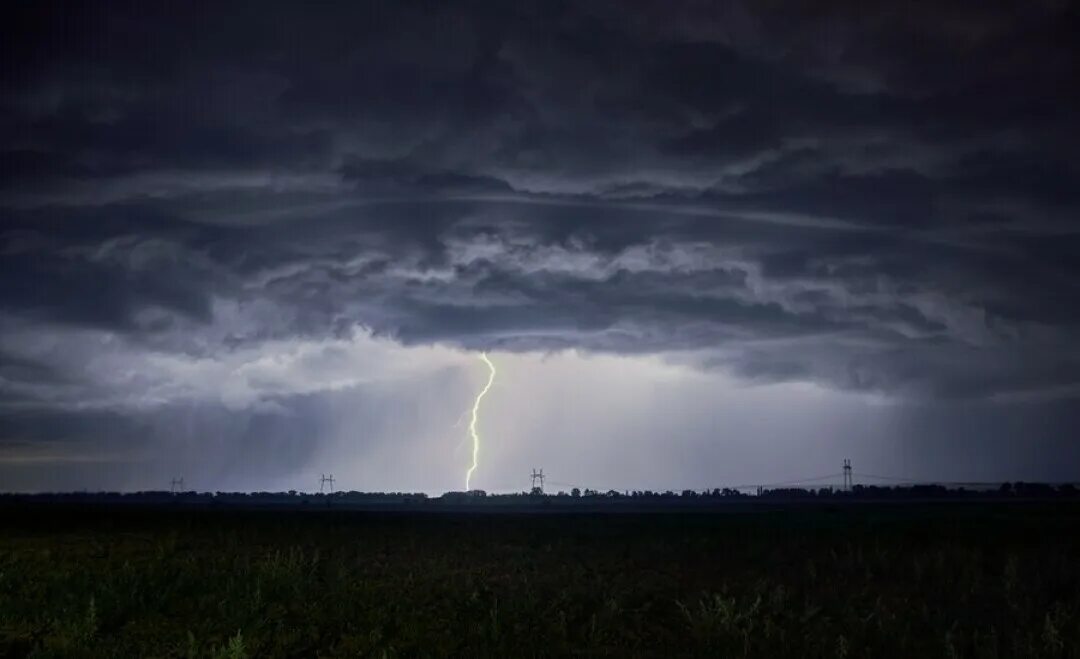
475, 418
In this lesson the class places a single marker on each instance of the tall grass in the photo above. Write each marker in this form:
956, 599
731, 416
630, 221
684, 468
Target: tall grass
975, 582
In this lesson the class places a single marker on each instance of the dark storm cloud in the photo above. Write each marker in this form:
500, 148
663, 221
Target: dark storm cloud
871, 198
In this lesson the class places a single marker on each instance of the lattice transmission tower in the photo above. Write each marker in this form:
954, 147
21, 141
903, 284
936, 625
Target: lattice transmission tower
323, 480
537, 476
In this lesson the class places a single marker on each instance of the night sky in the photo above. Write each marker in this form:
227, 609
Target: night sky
705, 244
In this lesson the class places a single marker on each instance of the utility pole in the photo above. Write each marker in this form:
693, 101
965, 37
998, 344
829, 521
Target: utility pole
847, 475
176, 483
537, 476
323, 480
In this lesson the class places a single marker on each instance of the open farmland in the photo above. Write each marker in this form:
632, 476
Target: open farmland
957, 580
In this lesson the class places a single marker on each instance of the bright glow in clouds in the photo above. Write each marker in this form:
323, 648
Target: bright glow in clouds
273, 415
118, 374
475, 418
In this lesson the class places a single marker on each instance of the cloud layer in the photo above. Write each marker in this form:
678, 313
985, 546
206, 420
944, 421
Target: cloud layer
220, 204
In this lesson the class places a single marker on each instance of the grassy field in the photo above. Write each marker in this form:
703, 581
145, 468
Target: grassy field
956, 580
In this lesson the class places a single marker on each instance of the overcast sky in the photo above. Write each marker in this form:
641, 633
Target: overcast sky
705, 244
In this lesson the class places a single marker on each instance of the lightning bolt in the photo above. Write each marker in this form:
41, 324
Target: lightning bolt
475, 418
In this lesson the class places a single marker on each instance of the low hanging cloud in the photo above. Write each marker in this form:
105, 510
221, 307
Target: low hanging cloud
222, 204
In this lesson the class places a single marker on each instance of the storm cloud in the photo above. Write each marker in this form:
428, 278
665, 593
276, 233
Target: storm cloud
215, 205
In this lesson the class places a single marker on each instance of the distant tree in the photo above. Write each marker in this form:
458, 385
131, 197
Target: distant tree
575, 493
1034, 489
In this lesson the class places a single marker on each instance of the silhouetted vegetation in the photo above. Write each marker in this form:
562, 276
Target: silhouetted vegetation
911, 580
631, 499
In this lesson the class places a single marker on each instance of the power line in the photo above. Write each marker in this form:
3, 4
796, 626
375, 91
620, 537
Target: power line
890, 478
845, 479
560, 483
797, 481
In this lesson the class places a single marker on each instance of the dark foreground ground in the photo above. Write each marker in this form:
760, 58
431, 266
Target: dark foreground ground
954, 580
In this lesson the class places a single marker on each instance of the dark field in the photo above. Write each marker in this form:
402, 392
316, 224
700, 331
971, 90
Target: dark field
952, 580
